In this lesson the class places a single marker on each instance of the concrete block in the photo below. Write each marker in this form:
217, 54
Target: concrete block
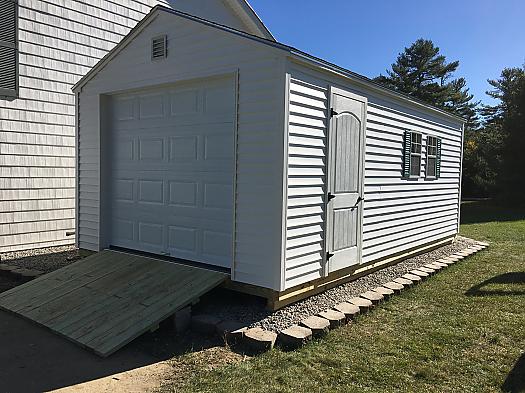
374, 297
336, 318
350, 310
294, 337
394, 286
259, 340
205, 324
182, 320
363, 304
319, 326
420, 273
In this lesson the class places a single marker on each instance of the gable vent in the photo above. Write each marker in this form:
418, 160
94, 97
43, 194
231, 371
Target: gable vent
159, 48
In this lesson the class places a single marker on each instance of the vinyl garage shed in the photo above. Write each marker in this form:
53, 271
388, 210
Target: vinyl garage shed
203, 143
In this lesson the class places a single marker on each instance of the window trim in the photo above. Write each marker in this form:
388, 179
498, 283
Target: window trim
12, 94
434, 156
411, 154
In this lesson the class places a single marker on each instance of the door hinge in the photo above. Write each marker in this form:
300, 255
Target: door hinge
333, 112
329, 255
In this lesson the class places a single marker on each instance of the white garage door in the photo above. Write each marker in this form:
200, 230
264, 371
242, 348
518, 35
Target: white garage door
171, 168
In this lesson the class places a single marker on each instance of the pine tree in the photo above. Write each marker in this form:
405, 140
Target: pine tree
507, 120
422, 72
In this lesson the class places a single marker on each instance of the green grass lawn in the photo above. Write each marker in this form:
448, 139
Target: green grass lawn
463, 330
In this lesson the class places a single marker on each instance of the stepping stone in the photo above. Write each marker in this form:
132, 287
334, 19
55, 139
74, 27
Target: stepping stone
231, 331
394, 286
459, 257
260, 340
412, 277
404, 281
427, 270
350, 310
204, 323
434, 267
449, 262
419, 273
453, 258
363, 304
440, 264
385, 292
295, 337
335, 318
319, 326
374, 297
464, 253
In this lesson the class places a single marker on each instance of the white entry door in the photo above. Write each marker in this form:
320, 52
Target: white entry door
171, 159
345, 180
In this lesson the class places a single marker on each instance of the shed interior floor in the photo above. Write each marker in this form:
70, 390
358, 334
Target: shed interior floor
108, 299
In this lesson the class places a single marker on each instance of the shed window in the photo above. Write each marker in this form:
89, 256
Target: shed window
412, 154
8, 48
433, 157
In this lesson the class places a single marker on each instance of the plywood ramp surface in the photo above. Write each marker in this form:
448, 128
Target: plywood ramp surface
108, 299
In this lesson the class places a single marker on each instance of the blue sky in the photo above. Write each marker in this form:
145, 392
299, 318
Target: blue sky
365, 36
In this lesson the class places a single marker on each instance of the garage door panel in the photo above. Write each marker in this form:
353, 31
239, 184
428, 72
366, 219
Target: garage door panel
171, 173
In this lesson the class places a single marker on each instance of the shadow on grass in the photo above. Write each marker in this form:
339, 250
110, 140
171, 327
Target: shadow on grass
515, 381
512, 278
476, 212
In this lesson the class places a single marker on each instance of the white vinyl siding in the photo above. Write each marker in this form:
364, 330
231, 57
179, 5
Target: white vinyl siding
306, 177
259, 177
59, 42
398, 214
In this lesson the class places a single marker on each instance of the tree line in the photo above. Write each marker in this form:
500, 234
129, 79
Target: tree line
494, 141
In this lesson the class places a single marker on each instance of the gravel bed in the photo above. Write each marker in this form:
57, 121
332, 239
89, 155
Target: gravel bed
43, 259
251, 311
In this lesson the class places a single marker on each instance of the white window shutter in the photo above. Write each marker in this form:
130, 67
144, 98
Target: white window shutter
8, 48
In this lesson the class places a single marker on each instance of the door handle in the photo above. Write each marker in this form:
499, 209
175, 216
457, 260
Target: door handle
359, 200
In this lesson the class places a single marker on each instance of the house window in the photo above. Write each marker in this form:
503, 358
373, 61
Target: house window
8, 48
412, 155
433, 157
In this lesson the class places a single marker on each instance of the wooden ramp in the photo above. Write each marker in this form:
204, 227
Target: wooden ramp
108, 299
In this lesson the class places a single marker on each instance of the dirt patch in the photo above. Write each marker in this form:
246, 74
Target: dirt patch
142, 379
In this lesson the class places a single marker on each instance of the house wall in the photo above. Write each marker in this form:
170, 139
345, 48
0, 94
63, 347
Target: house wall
399, 214
59, 42
260, 143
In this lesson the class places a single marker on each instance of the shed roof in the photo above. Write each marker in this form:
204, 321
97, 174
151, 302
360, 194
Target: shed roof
295, 53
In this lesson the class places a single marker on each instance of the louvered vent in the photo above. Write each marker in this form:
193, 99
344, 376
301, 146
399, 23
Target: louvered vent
159, 48
8, 47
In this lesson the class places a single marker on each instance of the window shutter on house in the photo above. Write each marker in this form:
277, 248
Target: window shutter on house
407, 145
438, 158
8, 48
